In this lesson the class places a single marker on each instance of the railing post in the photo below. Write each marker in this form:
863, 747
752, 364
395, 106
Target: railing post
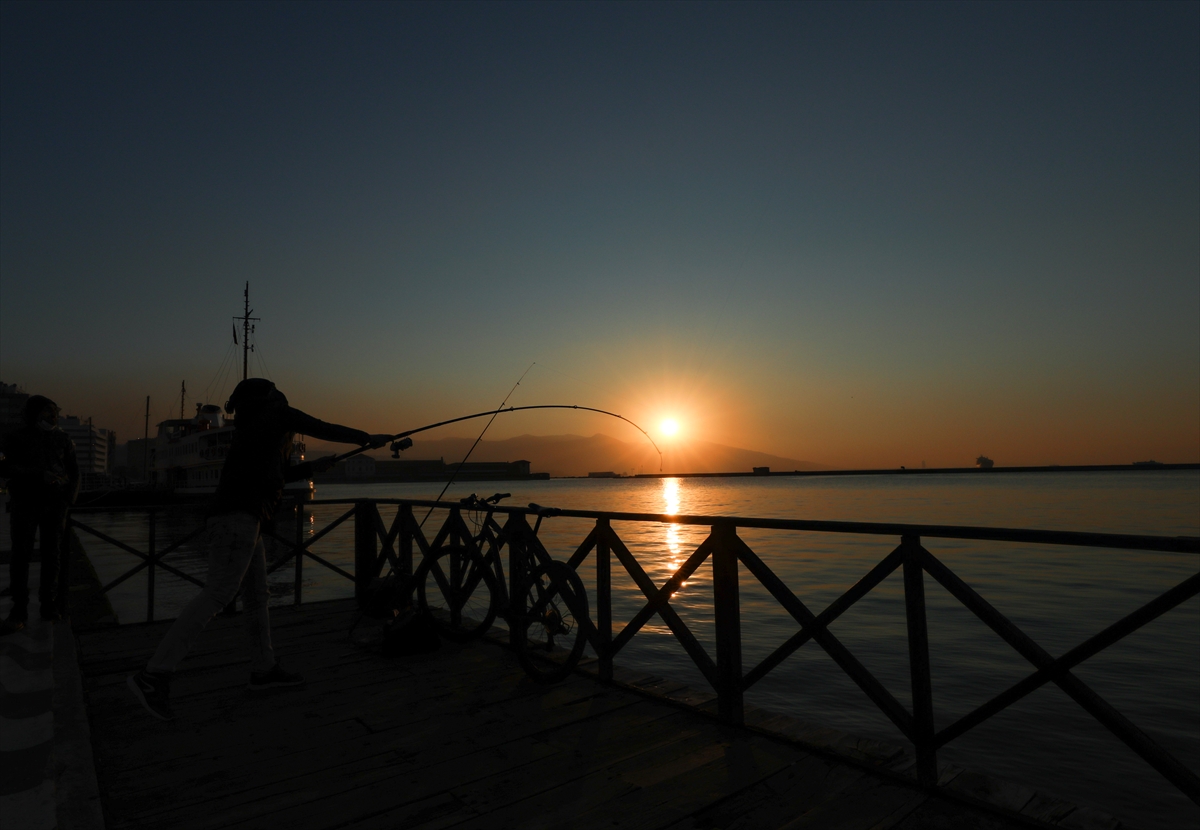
405, 549
918, 660
150, 570
299, 563
518, 560
604, 599
727, 613
365, 551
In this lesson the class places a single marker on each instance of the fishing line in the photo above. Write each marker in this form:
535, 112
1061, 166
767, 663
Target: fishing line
477, 440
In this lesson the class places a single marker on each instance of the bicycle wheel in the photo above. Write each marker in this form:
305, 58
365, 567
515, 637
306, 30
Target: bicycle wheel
544, 616
460, 592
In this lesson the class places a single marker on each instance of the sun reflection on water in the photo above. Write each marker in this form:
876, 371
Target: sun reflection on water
674, 544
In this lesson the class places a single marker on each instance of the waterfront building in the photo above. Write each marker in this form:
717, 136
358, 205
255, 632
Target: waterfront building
360, 466
12, 407
134, 465
92, 444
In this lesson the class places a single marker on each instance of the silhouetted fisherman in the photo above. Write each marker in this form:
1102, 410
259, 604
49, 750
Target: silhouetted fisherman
43, 480
247, 497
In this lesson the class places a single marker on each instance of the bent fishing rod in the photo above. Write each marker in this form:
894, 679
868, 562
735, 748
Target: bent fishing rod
401, 441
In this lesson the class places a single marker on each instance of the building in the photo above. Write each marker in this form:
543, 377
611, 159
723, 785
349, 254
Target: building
91, 446
360, 466
134, 463
12, 407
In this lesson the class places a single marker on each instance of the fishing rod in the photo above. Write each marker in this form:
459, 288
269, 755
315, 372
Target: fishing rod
483, 432
401, 441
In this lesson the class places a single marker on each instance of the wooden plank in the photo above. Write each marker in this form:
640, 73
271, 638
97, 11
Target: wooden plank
649, 790
458, 738
428, 768
335, 744
503, 797
777, 799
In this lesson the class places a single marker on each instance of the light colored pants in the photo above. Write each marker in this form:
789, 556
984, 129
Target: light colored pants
235, 552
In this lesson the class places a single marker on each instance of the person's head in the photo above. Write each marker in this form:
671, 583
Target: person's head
254, 398
41, 411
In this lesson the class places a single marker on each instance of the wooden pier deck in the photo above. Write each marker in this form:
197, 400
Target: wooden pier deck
460, 738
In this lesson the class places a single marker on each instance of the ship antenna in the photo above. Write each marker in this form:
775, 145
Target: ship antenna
246, 320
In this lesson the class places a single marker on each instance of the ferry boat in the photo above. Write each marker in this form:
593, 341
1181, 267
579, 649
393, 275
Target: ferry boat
187, 455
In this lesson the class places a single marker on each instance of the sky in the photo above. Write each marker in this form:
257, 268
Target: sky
860, 235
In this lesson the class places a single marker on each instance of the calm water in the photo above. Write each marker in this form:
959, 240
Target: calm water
1059, 596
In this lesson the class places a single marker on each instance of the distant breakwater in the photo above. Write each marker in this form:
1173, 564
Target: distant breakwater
1071, 468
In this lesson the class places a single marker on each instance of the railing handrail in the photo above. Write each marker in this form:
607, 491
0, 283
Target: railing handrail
1071, 538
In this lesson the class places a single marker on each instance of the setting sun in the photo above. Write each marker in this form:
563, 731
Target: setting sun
669, 427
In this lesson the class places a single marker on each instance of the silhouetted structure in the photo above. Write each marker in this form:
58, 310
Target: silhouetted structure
364, 468
12, 407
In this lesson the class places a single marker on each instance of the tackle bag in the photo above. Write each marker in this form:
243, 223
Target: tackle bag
413, 632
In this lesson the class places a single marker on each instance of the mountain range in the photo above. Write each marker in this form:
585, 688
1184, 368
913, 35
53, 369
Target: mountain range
578, 455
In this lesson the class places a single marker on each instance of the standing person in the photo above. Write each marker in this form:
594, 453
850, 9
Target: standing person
247, 497
43, 480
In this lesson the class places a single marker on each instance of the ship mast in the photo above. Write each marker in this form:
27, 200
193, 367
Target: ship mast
247, 328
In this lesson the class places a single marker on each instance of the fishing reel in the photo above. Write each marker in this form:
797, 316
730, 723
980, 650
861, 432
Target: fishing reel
399, 446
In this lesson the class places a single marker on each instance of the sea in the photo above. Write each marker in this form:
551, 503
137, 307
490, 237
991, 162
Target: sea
1058, 595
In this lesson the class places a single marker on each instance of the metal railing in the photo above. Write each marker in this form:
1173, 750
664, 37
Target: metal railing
377, 544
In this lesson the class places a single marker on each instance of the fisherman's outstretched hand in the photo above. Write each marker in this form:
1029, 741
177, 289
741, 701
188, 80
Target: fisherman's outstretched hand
320, 465
377, 441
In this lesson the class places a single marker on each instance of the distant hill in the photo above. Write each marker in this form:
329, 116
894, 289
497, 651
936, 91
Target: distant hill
577, 455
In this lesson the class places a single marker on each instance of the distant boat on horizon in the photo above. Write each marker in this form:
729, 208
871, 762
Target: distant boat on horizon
984, 463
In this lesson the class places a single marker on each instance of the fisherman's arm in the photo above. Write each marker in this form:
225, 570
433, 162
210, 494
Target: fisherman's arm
306, 424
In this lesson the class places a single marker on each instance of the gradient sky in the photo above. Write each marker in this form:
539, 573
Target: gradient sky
855, 234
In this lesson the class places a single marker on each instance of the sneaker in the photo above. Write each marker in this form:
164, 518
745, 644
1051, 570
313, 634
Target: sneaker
154, 692
274, 679
11, 626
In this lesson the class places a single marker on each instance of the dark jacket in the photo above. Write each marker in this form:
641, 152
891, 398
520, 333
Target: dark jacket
29, 453
256, 467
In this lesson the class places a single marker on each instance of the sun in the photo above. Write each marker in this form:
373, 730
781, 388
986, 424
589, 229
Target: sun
669, 427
